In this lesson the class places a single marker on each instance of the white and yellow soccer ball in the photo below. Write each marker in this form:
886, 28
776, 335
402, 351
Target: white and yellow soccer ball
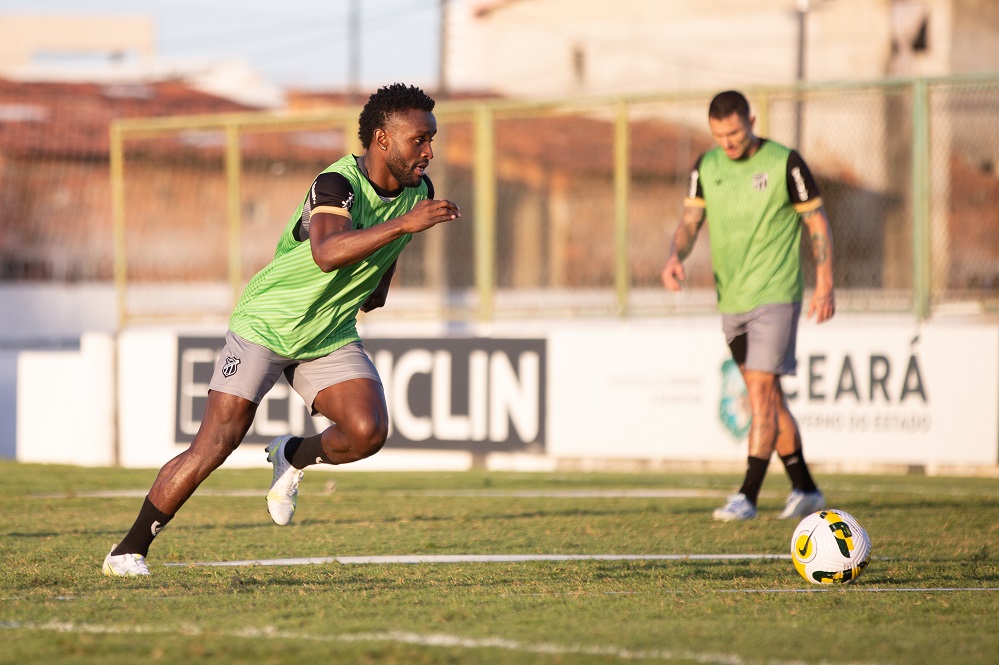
830, 547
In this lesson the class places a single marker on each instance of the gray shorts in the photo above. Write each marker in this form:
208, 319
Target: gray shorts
249, 370
764, 338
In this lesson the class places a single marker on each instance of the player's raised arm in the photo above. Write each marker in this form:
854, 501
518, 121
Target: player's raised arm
335, 244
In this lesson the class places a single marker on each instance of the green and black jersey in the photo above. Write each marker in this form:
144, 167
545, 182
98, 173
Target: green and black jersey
291, 306
753, 208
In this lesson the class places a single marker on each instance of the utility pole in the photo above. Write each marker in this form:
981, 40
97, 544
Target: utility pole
803, 7
434, 256
354, 45
442, 59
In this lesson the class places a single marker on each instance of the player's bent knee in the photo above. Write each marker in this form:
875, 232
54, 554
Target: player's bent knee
367, 435
371, 447
367, 447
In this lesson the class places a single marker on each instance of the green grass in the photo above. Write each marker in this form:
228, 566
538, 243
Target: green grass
930, 595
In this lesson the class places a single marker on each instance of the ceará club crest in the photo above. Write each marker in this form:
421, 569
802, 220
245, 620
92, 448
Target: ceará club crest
760, 181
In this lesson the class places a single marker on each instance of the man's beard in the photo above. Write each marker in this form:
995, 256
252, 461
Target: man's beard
401, 171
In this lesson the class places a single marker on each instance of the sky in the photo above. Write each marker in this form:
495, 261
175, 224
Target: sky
292, 43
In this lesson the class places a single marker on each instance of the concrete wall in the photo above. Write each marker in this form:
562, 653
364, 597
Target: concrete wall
45, 317
8, 403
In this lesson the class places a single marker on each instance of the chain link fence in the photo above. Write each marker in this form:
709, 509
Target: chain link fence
567, 207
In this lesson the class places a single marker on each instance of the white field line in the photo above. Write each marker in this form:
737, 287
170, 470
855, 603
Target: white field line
858, 589
438, 640
139, 494
513, 494
836, 486
481, 558
851, 588
647, 493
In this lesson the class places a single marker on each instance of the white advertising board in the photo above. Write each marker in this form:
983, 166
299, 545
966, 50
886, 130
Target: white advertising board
65, 404
623, 392
903, 394
449, 398
867, 391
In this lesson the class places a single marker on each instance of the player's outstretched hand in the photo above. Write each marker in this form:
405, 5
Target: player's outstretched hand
430, 212
673, 274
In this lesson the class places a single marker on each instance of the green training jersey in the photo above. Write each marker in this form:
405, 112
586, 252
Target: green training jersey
291, 306
753, 208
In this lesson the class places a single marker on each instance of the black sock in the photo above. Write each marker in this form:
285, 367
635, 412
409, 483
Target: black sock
797, 471
305, 452
756, 471
149, 523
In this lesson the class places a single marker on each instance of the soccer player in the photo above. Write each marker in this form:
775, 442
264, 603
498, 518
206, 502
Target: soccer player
297, 317
755, 194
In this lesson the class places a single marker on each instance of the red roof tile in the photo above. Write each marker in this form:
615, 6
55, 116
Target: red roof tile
72, 119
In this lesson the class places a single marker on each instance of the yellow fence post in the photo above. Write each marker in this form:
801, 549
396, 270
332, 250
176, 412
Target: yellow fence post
763, 113
233, 173
622, 177
116, 157
485, 210
921, 263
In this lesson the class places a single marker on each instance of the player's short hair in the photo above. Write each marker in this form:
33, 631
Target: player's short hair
726, 103
385, 103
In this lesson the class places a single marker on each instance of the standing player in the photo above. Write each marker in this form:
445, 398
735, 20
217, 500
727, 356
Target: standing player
297, 316
755, 194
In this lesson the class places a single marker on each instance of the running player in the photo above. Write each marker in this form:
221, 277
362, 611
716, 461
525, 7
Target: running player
755, 194
297, 317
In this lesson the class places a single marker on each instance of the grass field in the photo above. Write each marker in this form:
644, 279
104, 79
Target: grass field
930, 595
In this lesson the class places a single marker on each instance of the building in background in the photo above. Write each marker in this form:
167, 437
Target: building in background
25, 40
55, 198
118, 49
558, 48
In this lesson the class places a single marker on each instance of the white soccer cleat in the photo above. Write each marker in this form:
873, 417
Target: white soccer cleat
124, 565
800, 504
283, 497
737, 509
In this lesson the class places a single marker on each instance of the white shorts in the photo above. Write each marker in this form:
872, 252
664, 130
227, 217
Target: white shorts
249, 370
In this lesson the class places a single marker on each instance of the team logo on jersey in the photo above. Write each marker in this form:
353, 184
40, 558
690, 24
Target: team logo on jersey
229, 366
760, 181
348, 203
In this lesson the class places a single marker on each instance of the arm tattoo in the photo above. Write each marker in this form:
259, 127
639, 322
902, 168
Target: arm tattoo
686, 233
693, 216
821, 242
820, 248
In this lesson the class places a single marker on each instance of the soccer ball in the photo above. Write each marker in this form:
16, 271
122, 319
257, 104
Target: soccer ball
830, 547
